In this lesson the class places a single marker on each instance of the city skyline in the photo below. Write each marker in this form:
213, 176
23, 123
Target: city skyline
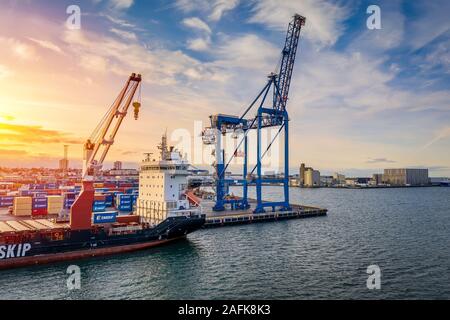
361, 99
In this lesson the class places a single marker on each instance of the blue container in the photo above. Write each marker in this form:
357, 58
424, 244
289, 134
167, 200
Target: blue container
39, 203
125, 208
39, 206
105, 217
98, 208
70, 195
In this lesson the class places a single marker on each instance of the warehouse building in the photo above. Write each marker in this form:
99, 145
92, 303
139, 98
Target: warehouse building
402, 177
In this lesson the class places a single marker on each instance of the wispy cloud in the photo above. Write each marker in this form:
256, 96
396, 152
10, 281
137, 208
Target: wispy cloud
124, 34
121, 4
33, 134
199, 44
380, 160
118, 21
324, 18
47, 45
18, 49
196, 23
220, 7
213, 9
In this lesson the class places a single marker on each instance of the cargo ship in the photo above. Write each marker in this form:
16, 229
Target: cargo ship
162, 212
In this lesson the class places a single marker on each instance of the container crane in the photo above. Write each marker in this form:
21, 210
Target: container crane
96, 148
275, 115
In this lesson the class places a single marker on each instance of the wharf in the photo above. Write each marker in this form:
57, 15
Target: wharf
236, 217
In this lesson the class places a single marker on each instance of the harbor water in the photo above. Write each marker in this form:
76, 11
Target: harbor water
405, 231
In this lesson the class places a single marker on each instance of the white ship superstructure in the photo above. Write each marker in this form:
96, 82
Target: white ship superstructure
162, 186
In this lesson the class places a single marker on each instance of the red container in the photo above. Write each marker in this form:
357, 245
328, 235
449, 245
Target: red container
99, 197
53, 192
39, 212
128, 219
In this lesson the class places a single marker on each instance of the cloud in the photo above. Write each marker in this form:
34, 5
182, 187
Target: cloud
18, 48
118, 21
121, 4
380, 160
5, 72
46, 44
214, 9
159, 66
198, 44
12, 153
5, 116
324, 19
196, 23
127, 153
431, 23
124, 34
220, 7
34, 134
247, 51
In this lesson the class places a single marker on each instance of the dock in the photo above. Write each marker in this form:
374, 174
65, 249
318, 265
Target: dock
238, 217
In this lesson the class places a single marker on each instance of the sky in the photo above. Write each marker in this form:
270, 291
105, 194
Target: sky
361, 99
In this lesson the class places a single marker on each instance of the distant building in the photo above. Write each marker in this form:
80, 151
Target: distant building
64, 164
326, 181
312, 178
435, 181
377, 179
402, 177
302, 174
357, 181
338, 178
117, 165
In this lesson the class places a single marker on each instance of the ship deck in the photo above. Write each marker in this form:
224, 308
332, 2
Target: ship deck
235, 217
5, 216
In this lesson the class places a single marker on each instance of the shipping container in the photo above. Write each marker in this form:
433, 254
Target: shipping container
128, 219
105, 217
39, 212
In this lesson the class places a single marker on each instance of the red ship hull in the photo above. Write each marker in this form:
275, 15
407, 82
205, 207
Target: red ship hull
80, 254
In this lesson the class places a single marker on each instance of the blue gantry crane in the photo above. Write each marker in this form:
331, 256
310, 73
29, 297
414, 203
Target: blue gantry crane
273, 115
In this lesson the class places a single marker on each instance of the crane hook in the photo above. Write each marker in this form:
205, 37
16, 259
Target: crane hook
137, 107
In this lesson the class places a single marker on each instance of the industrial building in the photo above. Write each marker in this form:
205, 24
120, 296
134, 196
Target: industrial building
338, 178
64, 163
312, 178
404, 177
309, 177
117, 165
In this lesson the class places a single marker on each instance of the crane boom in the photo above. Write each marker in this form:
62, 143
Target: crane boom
287, 61
97, 146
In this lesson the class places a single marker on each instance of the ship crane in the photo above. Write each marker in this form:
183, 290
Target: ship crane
97, 147
102, 138
270, 114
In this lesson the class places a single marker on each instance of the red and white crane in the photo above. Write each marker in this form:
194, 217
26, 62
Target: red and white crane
96, 148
